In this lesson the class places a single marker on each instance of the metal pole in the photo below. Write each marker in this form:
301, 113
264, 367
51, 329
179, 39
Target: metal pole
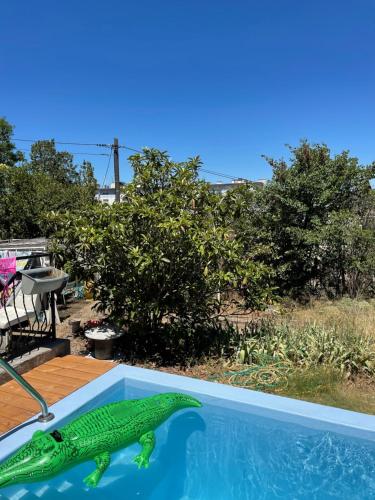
53, 301
116, 169
46, 416
53, 314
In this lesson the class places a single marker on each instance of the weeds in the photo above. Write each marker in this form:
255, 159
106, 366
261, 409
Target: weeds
309, 346
348, 316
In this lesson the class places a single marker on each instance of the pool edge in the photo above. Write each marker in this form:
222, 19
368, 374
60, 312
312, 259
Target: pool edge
362, 425
273, 403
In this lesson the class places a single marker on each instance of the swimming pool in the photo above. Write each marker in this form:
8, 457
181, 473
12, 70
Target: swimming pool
241, 444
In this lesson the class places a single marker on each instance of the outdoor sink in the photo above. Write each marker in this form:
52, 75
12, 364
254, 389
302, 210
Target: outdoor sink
43, 280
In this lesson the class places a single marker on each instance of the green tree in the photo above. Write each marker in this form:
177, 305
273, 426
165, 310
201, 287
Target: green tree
45, 159
347, 255
163, 254
49, 182
298, 204
8, 153
88, 183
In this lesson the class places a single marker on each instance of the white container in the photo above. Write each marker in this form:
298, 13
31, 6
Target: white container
103, 337
43, 280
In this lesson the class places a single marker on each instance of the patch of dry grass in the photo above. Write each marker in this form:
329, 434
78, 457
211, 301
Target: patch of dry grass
345, 315
326, 386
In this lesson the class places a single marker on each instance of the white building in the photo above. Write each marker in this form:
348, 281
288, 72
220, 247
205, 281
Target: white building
223, 187
106, 194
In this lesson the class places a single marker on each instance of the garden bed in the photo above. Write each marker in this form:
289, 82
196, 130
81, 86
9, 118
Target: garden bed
317, 384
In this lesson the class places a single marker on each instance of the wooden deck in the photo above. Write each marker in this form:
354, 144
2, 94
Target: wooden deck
54, 380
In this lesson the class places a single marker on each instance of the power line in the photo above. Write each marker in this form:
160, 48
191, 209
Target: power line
217, 173
227, 176
80, 144
65, 143
131, 149
106, 171
211, 172
71, 152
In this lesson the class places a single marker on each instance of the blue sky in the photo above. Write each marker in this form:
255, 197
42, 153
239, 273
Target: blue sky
228, 80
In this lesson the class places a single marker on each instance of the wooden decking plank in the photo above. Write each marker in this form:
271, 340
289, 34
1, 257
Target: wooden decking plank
64, 378
78, 359
84, 367
51, 369
46, 368
54, 380
83, 364
7, 410
7, 424
92, 361
94, 373
53, 386
13, 388
63, 381
4, 426
15, 420
79, 375
19, 401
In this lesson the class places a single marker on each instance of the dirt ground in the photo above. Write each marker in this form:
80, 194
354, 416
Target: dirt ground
76, 310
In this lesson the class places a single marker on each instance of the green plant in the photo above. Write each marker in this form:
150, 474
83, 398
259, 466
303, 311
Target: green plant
309, 346
313, 223
49, 182
163, 255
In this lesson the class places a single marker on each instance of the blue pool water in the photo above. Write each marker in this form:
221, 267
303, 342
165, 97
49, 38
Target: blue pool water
222, 452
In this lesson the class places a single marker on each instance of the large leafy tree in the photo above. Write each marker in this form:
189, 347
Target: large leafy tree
45, 159
50, 181
164, 254
312, 192
88, 183
347, 255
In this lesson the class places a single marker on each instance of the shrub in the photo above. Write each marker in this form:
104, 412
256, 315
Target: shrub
164, 254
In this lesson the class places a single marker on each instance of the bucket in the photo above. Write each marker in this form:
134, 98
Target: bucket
75, 325
103, 349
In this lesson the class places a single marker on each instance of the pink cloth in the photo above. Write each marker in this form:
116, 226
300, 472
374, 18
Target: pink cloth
8, 266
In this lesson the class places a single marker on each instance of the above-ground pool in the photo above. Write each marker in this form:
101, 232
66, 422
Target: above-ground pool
240, 445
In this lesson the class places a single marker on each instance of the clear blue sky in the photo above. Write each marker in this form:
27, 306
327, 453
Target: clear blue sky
229, 80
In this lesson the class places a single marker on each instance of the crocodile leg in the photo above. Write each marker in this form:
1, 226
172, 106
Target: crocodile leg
148, 444
102, 461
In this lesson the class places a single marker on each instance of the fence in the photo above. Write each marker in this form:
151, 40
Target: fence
27, 317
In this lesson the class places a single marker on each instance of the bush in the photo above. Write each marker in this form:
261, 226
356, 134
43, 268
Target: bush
313, 223
165, 254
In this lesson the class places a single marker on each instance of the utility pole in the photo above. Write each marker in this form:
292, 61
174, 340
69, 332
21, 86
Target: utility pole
116, 169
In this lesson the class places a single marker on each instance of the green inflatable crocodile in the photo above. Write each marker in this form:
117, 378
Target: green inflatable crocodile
93, 436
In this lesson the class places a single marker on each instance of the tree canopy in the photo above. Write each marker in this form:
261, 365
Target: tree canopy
49, 181
311, 220
8, 153
164, 253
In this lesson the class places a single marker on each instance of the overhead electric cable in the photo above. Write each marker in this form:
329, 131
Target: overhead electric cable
71, 152
211, 172
66, 143
106, 171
